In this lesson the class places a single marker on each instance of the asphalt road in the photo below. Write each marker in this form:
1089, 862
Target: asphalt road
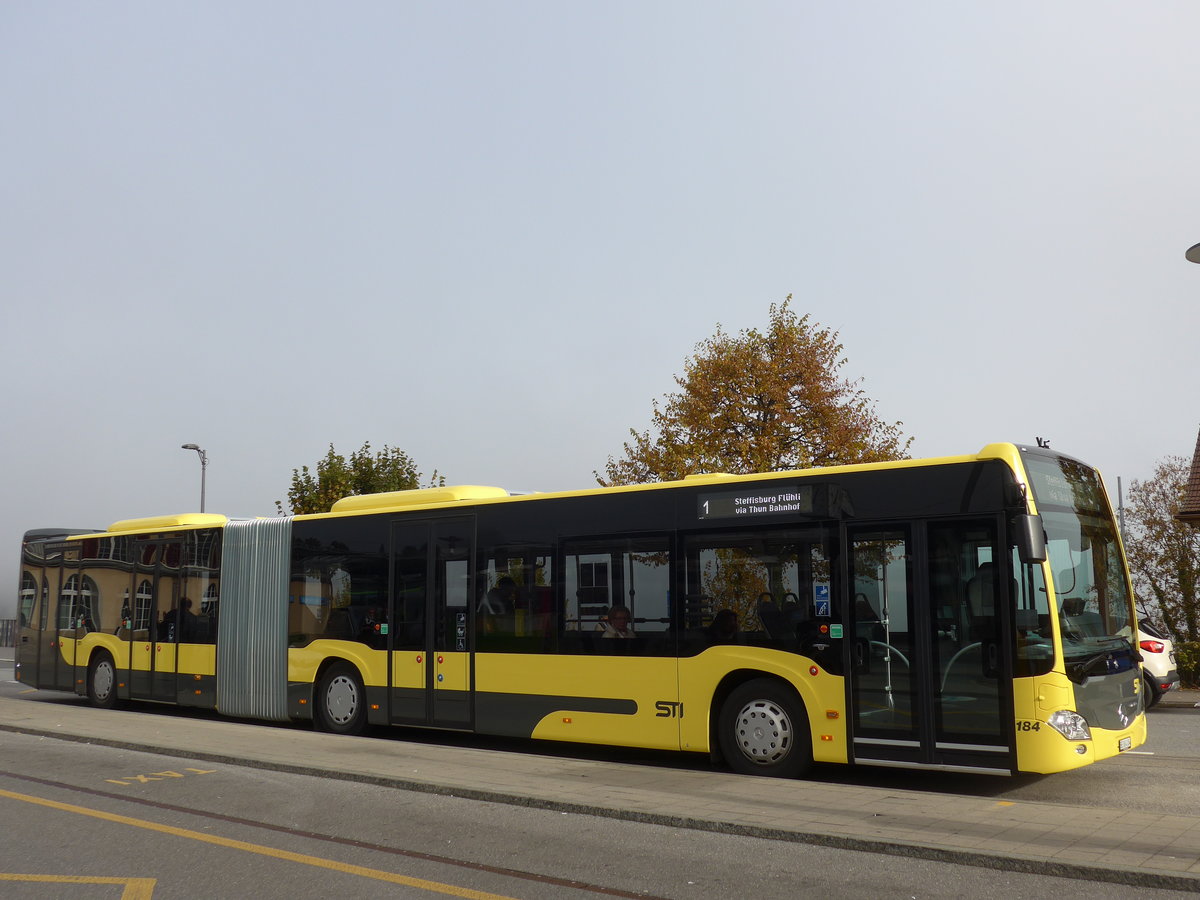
169, 826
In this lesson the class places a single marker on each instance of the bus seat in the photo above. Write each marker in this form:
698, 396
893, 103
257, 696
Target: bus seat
981, 592
771, 618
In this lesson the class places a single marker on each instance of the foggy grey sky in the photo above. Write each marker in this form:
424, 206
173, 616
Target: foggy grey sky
489, 234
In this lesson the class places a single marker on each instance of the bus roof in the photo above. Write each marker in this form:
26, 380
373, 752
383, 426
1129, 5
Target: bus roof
452, 495
48, 534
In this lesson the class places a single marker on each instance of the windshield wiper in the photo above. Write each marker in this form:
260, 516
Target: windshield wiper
1078, 671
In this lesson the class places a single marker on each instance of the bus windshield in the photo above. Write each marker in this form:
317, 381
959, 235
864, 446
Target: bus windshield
1095, 611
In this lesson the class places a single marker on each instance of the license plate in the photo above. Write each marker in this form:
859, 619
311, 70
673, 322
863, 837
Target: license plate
1124, 744
1171, 656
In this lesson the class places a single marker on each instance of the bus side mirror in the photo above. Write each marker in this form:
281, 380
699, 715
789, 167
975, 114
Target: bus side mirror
1031, 538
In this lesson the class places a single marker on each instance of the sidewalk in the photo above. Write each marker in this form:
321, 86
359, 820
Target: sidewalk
1115, 845
1179, 699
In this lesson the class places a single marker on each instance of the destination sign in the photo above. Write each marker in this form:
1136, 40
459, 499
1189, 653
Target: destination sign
1065, 482
758, 501
824, 500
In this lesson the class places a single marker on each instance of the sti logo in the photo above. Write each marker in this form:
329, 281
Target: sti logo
668, 709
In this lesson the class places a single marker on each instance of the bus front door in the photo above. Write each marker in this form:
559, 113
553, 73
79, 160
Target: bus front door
929, 671
431, 666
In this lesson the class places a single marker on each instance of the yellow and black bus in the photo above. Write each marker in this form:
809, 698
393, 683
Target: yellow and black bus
968, 613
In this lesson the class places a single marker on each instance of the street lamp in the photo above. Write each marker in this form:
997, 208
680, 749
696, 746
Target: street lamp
203, 467
1193, 254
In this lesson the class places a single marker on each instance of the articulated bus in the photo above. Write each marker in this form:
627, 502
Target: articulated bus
968, 613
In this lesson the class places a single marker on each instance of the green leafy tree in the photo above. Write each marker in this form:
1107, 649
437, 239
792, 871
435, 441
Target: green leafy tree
760, 402
1164, 559
365, 472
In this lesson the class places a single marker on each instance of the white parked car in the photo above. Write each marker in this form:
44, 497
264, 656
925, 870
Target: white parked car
1159, 673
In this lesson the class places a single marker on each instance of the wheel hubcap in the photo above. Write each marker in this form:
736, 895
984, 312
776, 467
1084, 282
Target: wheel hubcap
764, 732
341, 700
102, 681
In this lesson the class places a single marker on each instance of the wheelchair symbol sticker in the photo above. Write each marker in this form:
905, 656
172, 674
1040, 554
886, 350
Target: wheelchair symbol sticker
821, 600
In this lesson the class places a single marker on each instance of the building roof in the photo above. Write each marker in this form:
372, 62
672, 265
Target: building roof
1189, 509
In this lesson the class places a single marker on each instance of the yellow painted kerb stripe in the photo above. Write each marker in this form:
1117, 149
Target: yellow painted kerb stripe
303, 859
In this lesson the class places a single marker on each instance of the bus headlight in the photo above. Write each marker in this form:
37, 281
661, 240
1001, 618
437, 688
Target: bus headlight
1070, 725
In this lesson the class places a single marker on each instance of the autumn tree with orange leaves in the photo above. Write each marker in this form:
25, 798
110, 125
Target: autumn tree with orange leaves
760, 402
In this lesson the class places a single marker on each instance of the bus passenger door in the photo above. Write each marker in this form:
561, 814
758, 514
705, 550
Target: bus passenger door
153, 631
927, 660
42, 662
46, 628
66, 615
886, 711
409, 657
33, 599
449, 627
970, 663
430, 644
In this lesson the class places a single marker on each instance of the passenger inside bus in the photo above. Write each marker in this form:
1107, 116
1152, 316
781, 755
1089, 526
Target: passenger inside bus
617, 624
184, 618
502, 599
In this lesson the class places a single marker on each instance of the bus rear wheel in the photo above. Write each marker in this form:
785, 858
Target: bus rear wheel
102, 682
763, 730
341, 701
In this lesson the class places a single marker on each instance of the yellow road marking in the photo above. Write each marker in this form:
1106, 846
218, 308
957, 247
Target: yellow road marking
145, 779
229, 843
135, 888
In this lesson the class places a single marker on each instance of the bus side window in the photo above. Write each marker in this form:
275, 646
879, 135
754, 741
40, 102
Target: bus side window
29, 592
516, 609
1033, 634
625, 574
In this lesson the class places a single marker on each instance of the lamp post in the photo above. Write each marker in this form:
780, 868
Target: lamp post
1193, 254
203, 468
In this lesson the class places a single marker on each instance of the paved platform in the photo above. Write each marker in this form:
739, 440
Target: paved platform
1179, 699
1119, 845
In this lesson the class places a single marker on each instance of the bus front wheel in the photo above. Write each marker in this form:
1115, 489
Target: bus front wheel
763, 730
341, 701
102, 682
